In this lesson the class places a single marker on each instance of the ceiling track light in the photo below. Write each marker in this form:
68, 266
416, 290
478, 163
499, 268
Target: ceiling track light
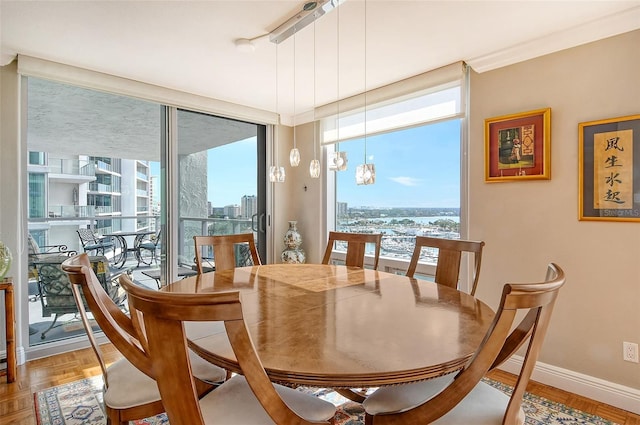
311, 11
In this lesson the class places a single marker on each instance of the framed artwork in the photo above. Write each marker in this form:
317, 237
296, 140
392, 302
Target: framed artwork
609, 169
518, 146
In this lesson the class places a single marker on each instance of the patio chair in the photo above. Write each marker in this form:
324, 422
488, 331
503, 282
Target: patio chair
54, 288
147, 249
93, 243
37, 252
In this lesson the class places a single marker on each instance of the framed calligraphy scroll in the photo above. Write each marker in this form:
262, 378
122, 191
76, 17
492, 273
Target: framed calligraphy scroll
518, 146
609, 169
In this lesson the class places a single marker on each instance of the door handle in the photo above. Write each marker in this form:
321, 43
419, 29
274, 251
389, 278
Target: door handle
253, 223
261, 223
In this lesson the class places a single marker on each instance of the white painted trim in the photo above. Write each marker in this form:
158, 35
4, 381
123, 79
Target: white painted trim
616, 395
607, 26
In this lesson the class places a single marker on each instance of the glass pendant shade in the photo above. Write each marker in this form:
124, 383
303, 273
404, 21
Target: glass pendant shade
294, 157
314, 169
276, 174
338, 161
366, 174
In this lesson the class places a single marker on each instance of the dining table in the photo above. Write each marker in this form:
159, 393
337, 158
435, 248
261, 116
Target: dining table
341, 327
120, 238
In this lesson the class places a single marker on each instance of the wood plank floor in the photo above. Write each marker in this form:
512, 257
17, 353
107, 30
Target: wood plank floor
16, 399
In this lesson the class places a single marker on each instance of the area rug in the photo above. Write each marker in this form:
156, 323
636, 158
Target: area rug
80, 403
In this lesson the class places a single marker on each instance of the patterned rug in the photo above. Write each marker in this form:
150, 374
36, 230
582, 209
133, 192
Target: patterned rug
80, 402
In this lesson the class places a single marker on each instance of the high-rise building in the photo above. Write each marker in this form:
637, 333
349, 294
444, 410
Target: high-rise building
248, 206
341, 209
232, 211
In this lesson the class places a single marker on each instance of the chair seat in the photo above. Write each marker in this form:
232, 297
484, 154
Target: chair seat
233, 403
129, 387
484, 405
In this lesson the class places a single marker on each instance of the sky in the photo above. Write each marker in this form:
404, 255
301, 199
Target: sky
417, 167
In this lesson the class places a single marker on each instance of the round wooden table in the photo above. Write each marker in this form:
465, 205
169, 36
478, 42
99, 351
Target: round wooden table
342, 327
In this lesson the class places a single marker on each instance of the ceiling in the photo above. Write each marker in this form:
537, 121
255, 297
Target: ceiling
190, 45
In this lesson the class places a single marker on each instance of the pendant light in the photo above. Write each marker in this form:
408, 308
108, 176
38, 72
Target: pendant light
337, 159
294, 155
314, 165
276, 173
365, 173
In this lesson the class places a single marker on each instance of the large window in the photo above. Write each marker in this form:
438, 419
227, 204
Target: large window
415, 143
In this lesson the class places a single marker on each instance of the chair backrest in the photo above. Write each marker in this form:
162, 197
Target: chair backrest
356, 244
163, 314
537, 301
224, 250
115, 324
449, 257
87, 236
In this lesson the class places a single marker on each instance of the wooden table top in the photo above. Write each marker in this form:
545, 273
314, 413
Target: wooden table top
342, 327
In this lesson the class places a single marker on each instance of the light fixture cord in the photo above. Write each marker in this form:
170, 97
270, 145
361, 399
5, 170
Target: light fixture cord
294, 89
314, 89
365, 82
275, 128
338, 81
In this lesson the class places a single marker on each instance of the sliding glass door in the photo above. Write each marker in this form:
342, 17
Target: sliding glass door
220, 181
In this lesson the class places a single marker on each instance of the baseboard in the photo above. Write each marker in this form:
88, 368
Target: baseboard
616, 395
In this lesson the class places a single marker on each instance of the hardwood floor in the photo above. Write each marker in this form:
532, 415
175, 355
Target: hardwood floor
16, 399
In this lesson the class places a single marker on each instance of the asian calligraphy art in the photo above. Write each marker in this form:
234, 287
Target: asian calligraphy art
613, 170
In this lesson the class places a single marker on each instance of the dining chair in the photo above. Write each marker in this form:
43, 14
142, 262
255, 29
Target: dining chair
356, 244
462, 397
91, 242
449, 257
250, 398
130, 391
229, 251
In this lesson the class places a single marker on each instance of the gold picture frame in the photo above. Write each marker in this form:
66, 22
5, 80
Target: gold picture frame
609, 169
518, 146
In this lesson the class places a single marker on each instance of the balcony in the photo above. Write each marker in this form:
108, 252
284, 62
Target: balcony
71, 170
71, 211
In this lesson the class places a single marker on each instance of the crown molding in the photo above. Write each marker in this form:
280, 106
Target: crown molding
607, 26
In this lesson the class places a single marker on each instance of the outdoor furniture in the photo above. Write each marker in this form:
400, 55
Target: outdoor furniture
148, 248
122, 248
356, 244
37, 252
229, 251
462, 398
449, 256
130, 393
249, 398
54, 288
93, 243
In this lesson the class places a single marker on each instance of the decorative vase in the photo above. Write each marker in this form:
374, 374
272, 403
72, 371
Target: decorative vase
292, 253
5, 260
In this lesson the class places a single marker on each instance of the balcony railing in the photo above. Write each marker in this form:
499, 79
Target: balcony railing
74, 167
71, 211
99, 187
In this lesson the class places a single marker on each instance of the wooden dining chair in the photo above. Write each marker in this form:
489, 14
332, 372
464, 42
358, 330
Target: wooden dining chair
463, 398
229, 251
356, 244
249, 398
449, 257
130, 392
